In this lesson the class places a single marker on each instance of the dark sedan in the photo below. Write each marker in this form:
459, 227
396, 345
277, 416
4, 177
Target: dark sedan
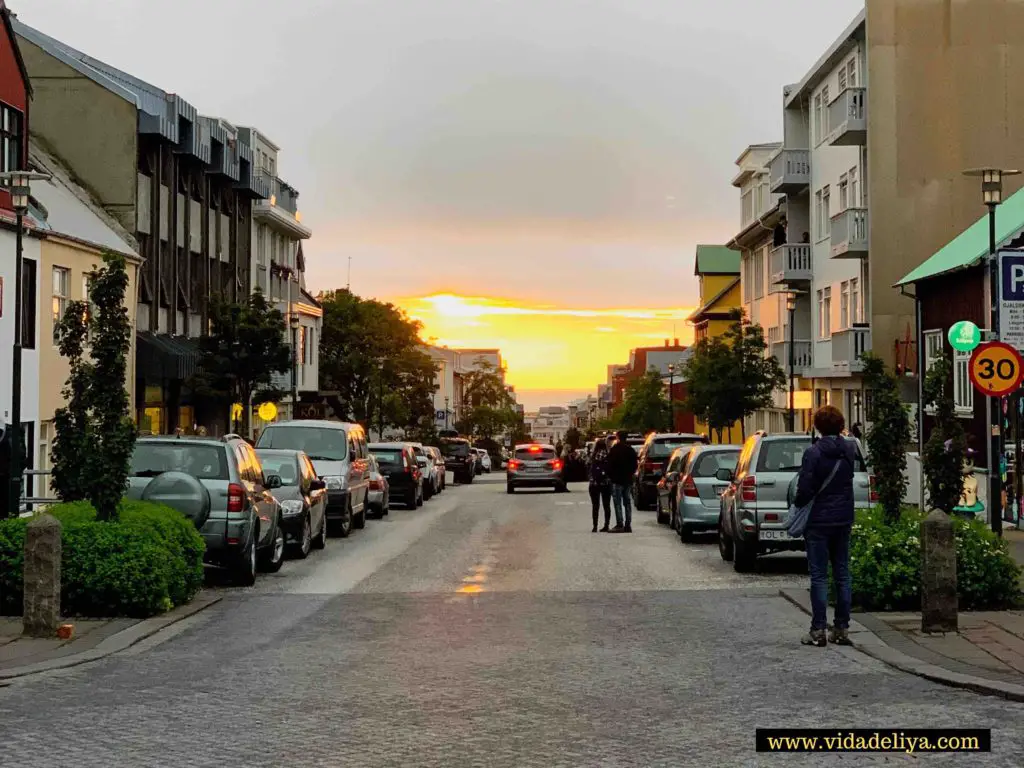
397, 462
303, 498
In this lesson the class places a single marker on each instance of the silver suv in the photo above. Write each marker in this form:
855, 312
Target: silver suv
755, 504
535, 465
241, 522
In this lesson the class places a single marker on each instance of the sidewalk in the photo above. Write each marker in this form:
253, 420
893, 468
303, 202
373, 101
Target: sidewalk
1015, 541
986, 655
93, 639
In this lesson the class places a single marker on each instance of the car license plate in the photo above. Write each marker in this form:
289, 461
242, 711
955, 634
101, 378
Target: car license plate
774, 535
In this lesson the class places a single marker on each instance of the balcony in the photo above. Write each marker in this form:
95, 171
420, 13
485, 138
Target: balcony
850, 234
848, 348
848, 119
790, 265
790, 171
803, 358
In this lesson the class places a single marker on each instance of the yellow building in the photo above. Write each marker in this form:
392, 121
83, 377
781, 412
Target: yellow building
718, 276
75, 234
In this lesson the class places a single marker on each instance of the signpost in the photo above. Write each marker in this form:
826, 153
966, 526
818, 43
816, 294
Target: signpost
996, 369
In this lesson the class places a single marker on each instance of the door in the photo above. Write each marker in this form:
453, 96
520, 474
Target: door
317, 499
359, 480
262, 501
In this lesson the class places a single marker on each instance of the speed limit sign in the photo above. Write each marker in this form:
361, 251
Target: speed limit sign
996, 369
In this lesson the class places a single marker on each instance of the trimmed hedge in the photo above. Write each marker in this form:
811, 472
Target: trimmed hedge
148, 562
885, 563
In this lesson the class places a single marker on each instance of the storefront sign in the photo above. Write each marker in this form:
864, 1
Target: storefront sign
964, 336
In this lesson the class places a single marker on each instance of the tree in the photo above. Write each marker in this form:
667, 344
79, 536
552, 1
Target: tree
245, 347
370, 354
95, 435
887, 436
644, 406
947, 444
573, 438
489, 409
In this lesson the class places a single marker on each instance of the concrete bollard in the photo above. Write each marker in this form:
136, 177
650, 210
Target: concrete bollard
938, 574
41, 574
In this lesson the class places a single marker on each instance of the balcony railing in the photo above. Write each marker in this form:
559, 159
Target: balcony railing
848, 348
850, 234
790, 171
791, 264
803, 357
848, 119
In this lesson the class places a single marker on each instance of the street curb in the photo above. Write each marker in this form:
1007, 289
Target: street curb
123, 640
868, 642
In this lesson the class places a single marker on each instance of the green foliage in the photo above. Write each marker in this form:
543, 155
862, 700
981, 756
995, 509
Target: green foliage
371, 355
573, 438
730, 377
489, 409
147, 562
885, 563
888, 436
644, 406
95, 435
245, 347
947, 444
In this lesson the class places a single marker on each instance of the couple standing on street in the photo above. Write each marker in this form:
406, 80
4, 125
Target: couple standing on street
611, 473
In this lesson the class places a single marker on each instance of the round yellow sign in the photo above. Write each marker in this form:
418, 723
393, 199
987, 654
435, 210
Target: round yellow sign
267, 411
236, 412
996, 369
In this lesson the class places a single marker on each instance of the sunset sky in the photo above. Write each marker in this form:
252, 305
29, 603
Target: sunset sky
554, 163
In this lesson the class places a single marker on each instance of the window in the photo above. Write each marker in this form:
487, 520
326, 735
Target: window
824, 112
851, 72
963, 390
842, 78
818, 115
10, 132
746, 280
844, 305
855, 313
844, 197
825, 313
854, 199
759, 267
61, 289
826, 212
932, 348
817, 215
28, 304
747, 207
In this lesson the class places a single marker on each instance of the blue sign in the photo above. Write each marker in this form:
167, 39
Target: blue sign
1011, 298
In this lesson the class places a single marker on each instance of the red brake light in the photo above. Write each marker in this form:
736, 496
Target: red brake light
376, 485
771, 517
873, 492
534, 449
236, 497
514, 464
748, 488
689, 487
556, 464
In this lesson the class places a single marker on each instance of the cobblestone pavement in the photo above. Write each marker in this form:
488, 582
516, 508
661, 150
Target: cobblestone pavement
485, 630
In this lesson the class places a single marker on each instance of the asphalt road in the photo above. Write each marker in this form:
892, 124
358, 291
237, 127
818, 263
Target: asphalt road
486, 630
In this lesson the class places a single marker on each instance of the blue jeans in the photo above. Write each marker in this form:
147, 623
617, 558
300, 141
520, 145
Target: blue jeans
620, 494
829, 544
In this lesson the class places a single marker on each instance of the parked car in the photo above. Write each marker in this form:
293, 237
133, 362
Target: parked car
485, 460
379, 500
478, 461
242, 524
439, 462
699, 490
431, 472
654, 454
755, 505
339, 454
303, 499
534, 465
669, 482
460, 458
397, 462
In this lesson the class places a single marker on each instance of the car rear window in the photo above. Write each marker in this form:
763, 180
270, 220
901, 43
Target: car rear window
284, 467
535, 455
206, 462
387, 458
319, 443
662, 449
455, 449
782, 455
708, 464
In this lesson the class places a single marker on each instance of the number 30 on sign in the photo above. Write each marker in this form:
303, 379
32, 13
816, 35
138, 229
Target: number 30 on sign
996, 369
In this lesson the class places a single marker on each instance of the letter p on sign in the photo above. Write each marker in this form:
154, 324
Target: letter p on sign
1016, 278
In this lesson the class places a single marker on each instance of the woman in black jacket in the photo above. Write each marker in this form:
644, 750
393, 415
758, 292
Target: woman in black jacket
600, 485
826, 480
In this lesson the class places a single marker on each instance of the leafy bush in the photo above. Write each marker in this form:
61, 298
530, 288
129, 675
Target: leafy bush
885, 563
148, 562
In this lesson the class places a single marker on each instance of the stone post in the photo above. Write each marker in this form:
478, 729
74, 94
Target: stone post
41, 615
938, 574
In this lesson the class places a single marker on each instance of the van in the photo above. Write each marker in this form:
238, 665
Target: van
340, 457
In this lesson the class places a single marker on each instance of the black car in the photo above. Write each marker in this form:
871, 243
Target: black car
397, 462
653, 456
459, 458
303, 498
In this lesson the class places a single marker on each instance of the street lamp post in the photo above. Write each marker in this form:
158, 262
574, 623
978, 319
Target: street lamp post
293, 321
446, 413
671, 407
18, 183
791, 309
992, 196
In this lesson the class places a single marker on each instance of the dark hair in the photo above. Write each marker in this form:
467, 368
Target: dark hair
622, 434
829, 420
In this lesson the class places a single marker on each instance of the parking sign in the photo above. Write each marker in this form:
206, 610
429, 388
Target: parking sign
1011, 298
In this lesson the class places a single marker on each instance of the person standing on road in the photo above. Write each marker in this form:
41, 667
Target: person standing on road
600, 485
622, 463
826, 481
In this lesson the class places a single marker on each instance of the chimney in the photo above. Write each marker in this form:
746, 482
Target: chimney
666, 342
677, 342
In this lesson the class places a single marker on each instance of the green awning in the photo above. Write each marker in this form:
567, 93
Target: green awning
716, 260
969, 247
709, 306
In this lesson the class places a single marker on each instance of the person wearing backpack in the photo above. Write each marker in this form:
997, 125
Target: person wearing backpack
825, 483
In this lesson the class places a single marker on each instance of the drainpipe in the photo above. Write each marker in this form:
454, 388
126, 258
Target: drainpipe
920, 392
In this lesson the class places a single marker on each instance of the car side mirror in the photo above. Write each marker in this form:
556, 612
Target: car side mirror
270, 482
724, 474
316, 484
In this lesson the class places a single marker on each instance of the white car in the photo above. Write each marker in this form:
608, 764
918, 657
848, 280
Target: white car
485, 459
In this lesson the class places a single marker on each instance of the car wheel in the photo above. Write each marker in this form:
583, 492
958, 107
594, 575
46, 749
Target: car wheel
745, 556
725, 547
343, 527
411, 501
321, 540
419, 499
561, 488
685, 533
244, 571
274, 557
359, 521
302, 549
385, 507
661, 516
509, 488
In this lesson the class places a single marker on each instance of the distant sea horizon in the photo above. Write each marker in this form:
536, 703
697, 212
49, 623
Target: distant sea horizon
532, 399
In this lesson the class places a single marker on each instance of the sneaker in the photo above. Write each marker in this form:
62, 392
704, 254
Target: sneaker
627, 529
594, 529
618, 529
606, 529
815, 637
839, 636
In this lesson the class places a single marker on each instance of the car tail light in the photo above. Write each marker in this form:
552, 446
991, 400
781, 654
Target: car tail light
236, 497
748, 488
375, 485
652, 466
873, 490
556, 464
534, 449
771, 517
689, 487
514, 464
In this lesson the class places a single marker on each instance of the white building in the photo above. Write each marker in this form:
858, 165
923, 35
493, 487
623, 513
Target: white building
445, 361
549, 424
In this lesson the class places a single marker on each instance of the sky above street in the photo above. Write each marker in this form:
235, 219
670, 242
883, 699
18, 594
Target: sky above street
527, 174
